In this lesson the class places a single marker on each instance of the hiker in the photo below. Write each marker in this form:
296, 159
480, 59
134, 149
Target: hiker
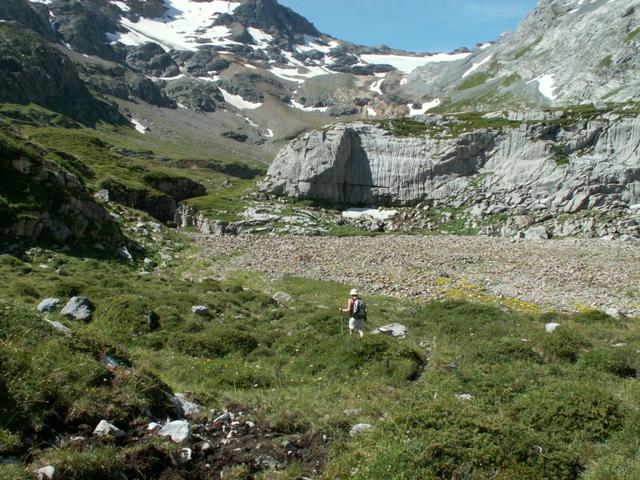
357, 313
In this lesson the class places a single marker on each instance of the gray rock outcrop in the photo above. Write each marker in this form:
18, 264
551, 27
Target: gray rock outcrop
201, 310
106, 429
178, 430
559, 165
78, 308
48, 305
359, 428
395, 330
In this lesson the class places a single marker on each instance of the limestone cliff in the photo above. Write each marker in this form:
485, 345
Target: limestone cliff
544, 165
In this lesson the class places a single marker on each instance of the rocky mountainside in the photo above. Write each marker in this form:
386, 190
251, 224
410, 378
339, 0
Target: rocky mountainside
565, 52
509, 172
254, 71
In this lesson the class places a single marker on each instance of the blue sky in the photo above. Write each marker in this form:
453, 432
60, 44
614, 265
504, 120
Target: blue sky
419, 25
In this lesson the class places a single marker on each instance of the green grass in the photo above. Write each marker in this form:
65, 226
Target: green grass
560, 154
225, 203
632, 35
451, 126
474, 80
544, 406
510, 80
605, 63
521, 52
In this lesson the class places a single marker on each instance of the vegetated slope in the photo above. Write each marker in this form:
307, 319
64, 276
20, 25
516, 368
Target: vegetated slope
563, 53
41, 198
472, 391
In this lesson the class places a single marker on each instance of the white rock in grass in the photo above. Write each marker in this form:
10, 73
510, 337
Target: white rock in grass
550, 327
185, 455
48, 305
395, 330
464, 397
200, 310
78, 308
614, 312
185, 406
359, 428
106, 429
58, 326
178, 430
282, 297
47, 473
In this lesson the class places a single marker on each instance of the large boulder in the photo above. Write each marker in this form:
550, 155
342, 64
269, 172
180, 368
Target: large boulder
27, 15
178, 430
198, 95
446, 161
78, 308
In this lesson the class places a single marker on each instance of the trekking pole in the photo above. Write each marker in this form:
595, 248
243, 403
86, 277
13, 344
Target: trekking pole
340, 321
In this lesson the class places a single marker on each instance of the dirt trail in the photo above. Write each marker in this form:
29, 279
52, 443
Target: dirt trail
566, 274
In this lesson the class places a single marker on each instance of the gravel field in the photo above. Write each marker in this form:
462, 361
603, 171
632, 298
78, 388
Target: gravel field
563, 274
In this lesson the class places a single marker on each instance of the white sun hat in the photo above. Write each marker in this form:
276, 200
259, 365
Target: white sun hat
354, 292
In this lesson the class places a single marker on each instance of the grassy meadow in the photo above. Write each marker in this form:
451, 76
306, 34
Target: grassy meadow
473, 392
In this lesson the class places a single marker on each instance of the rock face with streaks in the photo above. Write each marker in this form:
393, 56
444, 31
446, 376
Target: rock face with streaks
551, 166
565, 52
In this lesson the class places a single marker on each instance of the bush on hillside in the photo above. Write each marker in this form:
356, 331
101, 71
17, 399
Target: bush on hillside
213, 343
570, 411
124, 317
622, 362
503, 350
564, 344
593, 316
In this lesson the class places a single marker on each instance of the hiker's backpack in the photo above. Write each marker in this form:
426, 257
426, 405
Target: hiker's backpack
359, 309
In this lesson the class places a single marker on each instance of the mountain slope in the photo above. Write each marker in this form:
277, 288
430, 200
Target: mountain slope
565, 52
250, 58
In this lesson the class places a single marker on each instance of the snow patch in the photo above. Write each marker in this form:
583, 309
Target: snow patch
374, 213
477, 65
408, 64
213, 78
414, 112
299, 74
376, 86
313, 43
249, 121
371, 112
300, 106
238, 102
186, 26
546, 86
122, 6
263, 40
138, 126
